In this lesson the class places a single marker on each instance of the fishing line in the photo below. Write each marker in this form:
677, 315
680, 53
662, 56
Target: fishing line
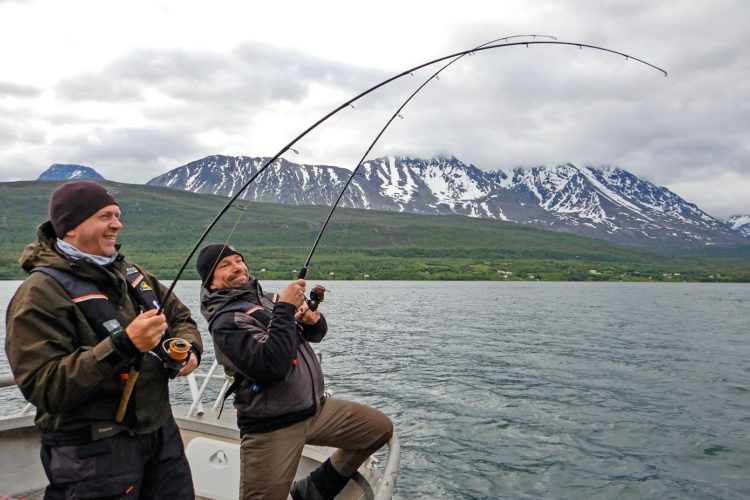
397, 113
289, 147
169, 350
368, 91
346, 227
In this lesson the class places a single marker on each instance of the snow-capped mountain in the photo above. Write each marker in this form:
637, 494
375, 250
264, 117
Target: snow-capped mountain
65, 172
608, 203
741, 224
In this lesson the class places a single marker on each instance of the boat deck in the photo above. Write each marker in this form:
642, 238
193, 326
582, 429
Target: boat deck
212, 445
223, 437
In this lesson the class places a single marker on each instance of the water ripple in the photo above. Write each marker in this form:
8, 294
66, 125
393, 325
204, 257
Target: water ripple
547, 390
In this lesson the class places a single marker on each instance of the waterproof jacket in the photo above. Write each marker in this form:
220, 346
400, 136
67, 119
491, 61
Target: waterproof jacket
62, 367
281, 381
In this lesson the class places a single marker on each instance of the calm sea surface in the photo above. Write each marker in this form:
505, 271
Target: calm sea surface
553, 390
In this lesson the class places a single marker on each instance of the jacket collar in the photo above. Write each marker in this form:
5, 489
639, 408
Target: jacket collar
212, 301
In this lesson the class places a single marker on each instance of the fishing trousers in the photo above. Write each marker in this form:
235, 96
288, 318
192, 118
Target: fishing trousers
147, 466
269, 460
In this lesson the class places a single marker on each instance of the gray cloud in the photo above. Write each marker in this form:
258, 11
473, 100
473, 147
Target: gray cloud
206, 91
496, 109
14, 131
10, 89
127, 153
251, 73
545, 106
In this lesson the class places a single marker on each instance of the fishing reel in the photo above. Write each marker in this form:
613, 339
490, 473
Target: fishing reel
173, 355
317, 294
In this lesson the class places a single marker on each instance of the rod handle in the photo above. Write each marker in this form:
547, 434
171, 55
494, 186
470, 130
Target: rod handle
126, 392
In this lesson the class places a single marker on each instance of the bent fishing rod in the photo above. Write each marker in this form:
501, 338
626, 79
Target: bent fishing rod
303, 272
139, 359
317, 294
349, 102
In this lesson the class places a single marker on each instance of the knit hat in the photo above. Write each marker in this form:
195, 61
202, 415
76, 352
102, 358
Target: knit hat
74, 202
209, 257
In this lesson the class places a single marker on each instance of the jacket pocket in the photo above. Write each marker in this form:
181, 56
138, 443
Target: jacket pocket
100, 469
68, 464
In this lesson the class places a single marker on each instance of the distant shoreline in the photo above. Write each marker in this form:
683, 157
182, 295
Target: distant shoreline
653, 281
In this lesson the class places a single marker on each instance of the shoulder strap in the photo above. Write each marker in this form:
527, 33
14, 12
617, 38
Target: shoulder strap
233, 387
239, 305
142, 290
95, 306
260, 312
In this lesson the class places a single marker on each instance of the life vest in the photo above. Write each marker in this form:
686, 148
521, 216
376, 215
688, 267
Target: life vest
102, 316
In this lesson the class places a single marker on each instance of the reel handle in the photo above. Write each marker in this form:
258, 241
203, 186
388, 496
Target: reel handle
317, 294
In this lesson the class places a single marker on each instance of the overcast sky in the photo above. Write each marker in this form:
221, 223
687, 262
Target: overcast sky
137, 88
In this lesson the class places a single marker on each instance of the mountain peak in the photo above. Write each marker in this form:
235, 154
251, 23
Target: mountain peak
741, 224
69, 171
601, 202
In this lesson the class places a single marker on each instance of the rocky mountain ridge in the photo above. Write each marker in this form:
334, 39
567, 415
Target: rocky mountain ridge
69, 171
740, 224
602, 202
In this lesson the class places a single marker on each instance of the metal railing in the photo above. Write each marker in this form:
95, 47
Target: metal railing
9, 381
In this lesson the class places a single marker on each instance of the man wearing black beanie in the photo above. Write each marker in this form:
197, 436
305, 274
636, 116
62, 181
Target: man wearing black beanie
74, 328
263, 340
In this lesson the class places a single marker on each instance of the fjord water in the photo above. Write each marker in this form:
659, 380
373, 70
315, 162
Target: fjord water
553, 390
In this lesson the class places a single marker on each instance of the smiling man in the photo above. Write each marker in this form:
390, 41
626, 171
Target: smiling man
74, 328
263, 340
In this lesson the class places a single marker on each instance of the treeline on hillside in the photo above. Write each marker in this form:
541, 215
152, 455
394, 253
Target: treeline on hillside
161, 226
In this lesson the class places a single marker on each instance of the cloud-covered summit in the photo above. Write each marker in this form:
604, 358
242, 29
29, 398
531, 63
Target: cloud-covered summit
152, 85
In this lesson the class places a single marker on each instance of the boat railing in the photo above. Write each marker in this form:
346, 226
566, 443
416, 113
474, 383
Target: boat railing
196, 407
9, 381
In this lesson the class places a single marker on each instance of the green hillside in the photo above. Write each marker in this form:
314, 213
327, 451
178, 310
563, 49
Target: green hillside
161, 226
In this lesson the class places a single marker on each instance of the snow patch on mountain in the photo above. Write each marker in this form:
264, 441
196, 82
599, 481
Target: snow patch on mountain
67, 172
604, 202
740, 224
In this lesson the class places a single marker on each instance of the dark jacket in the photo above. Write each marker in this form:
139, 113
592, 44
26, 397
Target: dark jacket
281, 378
59, 363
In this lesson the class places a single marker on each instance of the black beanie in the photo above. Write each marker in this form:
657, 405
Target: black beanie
74, 202
209, 257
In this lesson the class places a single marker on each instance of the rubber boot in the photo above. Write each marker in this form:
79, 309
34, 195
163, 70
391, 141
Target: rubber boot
324, 483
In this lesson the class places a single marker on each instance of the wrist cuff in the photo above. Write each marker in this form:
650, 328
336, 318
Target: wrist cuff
123, 344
